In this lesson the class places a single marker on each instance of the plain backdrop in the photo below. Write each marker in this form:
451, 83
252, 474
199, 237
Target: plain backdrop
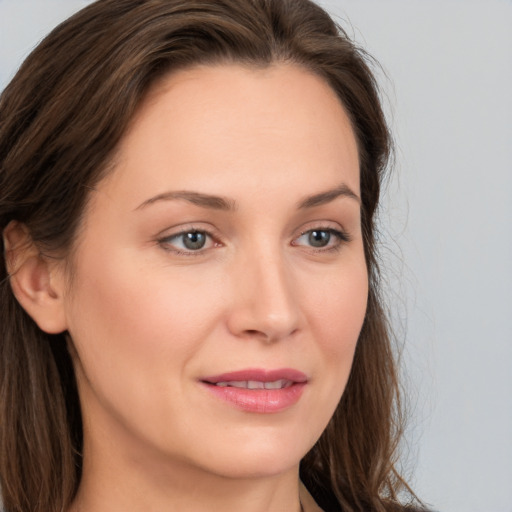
446, 224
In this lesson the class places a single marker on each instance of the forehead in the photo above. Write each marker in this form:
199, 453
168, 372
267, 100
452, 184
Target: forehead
206, 124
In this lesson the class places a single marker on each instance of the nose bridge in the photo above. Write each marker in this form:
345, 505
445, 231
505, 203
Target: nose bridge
264, 302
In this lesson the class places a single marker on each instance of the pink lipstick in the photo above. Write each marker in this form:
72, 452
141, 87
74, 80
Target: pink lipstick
257, 390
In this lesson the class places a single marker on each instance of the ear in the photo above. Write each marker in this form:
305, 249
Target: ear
36, 281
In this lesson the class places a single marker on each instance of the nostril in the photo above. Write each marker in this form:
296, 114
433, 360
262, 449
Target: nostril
268, 336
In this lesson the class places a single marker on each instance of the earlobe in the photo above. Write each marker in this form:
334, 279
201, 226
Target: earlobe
35, 280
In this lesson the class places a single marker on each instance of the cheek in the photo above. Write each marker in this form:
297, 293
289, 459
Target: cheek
338, 307
128, 322
337, 313
129, 302
136, 335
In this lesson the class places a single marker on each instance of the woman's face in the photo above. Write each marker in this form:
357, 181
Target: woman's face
219, 279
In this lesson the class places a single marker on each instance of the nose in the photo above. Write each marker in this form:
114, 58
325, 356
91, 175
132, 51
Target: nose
264, 303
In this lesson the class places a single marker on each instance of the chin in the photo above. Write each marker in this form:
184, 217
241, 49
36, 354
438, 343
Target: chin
258, 459
255, 468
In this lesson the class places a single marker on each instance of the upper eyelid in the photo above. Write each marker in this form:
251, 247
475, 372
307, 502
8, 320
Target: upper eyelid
187, 228
214, 232
327, 225
322, 228
340, 230
342, 235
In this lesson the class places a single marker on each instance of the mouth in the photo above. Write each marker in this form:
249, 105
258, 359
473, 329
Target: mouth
255, 384
258, 391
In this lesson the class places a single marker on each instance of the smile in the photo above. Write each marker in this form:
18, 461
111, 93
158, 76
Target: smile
258, 391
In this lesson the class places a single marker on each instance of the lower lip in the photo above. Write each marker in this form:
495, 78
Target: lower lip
263, 401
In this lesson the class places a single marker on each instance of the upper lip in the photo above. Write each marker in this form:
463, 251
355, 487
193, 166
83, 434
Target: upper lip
259, 375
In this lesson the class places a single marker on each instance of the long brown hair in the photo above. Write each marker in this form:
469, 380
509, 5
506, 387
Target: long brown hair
62, 117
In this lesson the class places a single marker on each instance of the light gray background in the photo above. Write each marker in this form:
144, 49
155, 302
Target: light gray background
447, 218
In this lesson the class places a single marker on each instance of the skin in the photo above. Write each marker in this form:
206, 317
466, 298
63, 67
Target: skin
148, 317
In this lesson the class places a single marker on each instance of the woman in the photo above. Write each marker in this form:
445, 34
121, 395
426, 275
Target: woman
190, 285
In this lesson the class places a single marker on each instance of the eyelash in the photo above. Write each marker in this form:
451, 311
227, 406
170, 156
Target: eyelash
164, 242
342, 238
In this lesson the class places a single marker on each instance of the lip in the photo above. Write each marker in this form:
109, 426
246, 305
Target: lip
259, 375
262, 401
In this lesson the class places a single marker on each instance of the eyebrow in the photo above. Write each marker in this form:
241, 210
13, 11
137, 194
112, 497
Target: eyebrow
197, 198
222, 203
329, 195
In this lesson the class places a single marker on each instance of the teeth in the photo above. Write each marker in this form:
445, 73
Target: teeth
277, 384
254, 384
237, 384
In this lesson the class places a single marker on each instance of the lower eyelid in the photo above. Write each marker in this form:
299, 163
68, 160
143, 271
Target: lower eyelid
338, 239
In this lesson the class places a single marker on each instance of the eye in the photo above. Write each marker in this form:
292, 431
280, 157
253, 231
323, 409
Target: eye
322, 238
194, 240
187, 242
318, 238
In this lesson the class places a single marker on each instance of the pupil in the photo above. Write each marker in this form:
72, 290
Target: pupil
319, 238
194, 240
